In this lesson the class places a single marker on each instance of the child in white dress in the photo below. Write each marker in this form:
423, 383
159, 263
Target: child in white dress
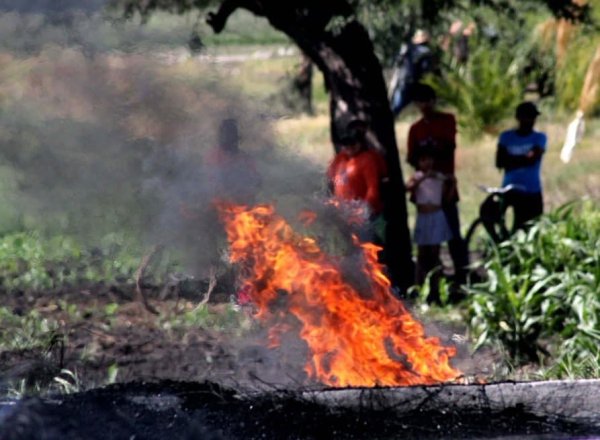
428, 190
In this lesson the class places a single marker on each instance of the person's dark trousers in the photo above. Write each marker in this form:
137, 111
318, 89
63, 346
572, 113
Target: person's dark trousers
457, 246
526, 206
401, 98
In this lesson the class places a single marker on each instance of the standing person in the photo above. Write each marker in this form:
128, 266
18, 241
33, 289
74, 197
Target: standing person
357, 173
230, 175
413, 62
230, 172
429, 189
437, 130
456, 41
519, 154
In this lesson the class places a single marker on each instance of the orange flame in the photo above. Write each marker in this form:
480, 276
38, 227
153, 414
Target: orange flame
356, 338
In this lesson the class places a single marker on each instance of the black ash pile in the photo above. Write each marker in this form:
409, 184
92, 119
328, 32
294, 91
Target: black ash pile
208, 411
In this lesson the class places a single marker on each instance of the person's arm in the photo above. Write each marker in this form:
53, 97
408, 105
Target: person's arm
410, 147
414, 181
449, 188
535, 154
445, 150
330, 175
511, 161
445, 145
373, 181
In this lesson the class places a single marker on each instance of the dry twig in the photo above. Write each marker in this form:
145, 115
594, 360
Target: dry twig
212, 282
139, 274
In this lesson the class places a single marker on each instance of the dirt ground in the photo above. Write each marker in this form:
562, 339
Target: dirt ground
89, 341
101, 331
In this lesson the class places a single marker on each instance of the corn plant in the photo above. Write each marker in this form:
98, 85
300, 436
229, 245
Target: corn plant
542, 289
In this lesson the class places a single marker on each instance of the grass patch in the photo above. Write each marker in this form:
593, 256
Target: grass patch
32, 261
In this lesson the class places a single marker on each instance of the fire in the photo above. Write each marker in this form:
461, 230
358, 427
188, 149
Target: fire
356, 337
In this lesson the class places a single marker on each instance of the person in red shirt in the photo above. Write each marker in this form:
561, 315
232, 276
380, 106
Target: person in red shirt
437, 130
356, 173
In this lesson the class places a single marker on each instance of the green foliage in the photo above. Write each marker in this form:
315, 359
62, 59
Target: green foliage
112, 374
435, 286
25, 332
571, 74
485, 91
204, 316
31, 261
542, 289
577, 366
391, 22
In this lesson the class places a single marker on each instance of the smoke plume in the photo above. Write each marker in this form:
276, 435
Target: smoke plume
95, 144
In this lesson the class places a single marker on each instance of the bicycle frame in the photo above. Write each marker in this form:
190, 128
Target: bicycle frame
492, 215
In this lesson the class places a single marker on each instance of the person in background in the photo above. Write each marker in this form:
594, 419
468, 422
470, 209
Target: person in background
357, 172
519, 154
429, 189
456, 41
413, 62
437, 130
231, 173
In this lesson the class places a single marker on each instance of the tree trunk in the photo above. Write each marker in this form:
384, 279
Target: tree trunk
341, 48
302, 84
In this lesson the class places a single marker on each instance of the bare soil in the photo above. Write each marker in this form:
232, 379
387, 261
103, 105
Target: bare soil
102, 327
142, 345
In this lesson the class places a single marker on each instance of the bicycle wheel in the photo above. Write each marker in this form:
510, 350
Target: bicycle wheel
479, 242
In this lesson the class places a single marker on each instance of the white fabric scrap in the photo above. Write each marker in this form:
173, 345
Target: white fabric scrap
574, 135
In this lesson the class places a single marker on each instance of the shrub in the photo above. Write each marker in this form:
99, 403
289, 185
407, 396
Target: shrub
485, 91
542, 290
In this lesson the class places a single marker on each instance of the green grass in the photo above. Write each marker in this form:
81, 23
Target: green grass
32, 261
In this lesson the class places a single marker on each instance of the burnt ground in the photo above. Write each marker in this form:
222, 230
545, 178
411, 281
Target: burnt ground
94, 329
208, 411
99, 329
182, 374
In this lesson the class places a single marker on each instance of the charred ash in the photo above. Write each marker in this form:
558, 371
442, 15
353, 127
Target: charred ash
209, 411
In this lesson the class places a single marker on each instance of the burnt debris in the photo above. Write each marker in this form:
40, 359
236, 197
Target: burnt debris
554, 409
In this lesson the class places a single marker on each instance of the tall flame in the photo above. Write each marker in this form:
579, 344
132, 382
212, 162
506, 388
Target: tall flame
355, 338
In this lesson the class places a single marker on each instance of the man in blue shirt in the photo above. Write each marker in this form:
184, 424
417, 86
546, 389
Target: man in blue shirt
520, 155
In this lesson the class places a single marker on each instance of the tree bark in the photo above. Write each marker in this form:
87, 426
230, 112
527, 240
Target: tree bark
302, 84
341, 48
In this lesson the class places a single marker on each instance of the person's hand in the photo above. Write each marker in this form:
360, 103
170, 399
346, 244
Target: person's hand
455, 27
534, 153
418, 177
